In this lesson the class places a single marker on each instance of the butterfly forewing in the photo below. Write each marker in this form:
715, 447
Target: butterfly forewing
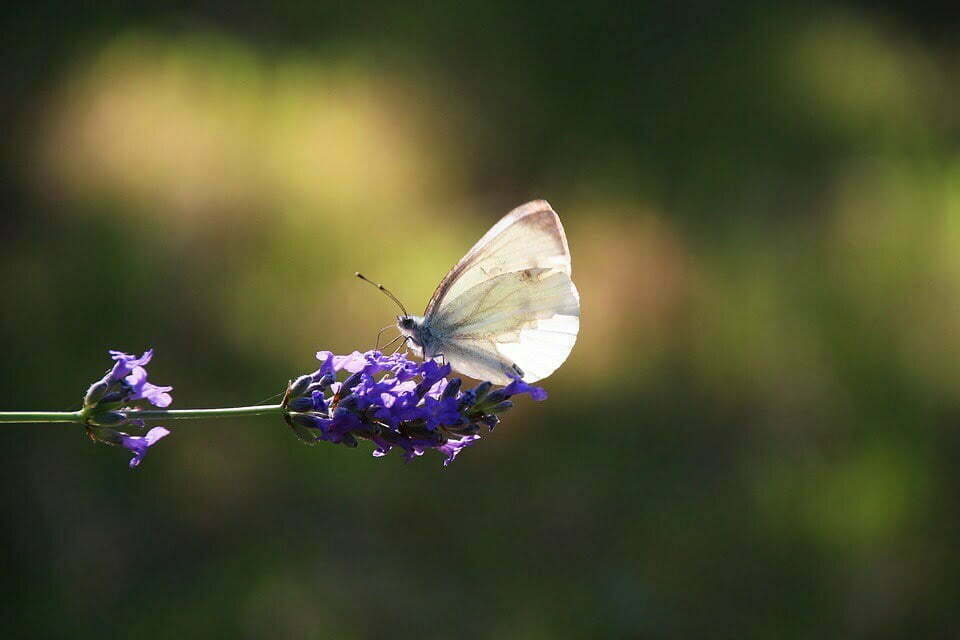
530, 236
509, 305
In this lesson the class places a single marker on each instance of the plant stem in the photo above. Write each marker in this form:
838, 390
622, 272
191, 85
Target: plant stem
146, 414
41, 416
183, 414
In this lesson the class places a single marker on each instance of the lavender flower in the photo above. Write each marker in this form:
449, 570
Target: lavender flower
126, 382
518, 386
141, 389
139, 444
108, 403
395, 402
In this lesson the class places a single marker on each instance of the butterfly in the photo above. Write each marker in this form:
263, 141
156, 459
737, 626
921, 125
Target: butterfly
508, 309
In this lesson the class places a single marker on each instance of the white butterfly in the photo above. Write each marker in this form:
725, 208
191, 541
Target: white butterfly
509, 307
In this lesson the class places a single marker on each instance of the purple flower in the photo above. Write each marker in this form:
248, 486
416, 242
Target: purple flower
141, 389
317, 401
399, 366
453, 447
395, 402
371, 362
126, 382
518, 386
433, 373
354, 363
126, 363
442, 412
139, 444
109, 403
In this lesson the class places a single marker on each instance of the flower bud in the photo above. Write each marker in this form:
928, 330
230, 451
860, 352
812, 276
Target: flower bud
494, 398
452, 388
349, 401
300, 404
491, 421
106, 435
107, 418
303, 427
481, 391
113, 397
96, 392
318, 401
467, 399
110, 402
351, 382
325, 381
307, 421
501, 407
299, 386
421, 389
464, 429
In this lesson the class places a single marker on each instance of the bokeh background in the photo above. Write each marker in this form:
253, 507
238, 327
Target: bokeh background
757, 435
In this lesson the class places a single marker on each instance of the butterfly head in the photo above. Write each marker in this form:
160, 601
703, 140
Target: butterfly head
412, 327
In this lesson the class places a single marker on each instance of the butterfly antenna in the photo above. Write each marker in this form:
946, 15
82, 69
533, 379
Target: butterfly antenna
385, 290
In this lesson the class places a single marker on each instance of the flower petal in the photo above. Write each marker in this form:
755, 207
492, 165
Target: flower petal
140, 444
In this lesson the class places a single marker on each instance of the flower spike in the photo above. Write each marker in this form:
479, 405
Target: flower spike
396, 402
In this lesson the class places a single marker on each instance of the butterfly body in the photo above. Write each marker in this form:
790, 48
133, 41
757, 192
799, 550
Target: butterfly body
418, 335
509, 308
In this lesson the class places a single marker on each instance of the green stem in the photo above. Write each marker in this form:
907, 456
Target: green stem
41, 416
146, 414
184, 414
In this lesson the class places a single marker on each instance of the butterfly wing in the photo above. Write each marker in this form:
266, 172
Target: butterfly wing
529, 236
509, 307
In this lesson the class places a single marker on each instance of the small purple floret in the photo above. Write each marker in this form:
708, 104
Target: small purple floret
139, 444
140, 389
127, 380
454, 447
518, 386
126, 363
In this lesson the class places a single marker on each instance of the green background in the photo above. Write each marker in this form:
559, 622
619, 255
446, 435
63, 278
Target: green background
756, 435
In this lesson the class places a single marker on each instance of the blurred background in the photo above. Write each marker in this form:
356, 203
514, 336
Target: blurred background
756, 435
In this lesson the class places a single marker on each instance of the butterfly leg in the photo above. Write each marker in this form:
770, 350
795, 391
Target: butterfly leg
380, 333
402, 344
392, 341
